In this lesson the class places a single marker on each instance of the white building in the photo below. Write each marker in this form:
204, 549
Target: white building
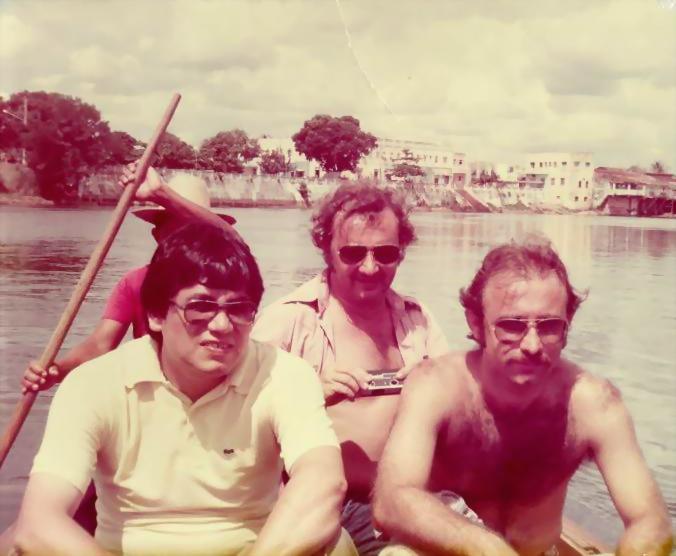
441, 165
568, 178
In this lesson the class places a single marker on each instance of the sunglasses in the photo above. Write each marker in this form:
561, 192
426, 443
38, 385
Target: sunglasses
203, 311
382, 254
550, 330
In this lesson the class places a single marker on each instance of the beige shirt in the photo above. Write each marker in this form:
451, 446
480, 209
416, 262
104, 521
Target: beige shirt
299, 324
176, 477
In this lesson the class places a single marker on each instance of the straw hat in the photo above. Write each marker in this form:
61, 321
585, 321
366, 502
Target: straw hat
188, 186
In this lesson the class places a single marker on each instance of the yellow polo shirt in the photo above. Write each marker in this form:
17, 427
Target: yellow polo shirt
176, 477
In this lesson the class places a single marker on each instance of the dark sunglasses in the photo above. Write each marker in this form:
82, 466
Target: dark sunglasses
550, 330
202, 311
383, 254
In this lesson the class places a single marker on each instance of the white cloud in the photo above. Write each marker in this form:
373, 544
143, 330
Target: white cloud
15, 36
493, 80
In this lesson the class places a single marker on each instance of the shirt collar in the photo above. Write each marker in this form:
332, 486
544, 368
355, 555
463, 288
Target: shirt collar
316, 292
142, 364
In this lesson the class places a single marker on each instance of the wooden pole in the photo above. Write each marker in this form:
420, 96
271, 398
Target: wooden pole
86, 279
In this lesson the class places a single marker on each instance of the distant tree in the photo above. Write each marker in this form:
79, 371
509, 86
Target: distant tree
122, 148
228, 151
273, 162
173, 152
65, 140
658, 168
406, 166
10, 127
336, 143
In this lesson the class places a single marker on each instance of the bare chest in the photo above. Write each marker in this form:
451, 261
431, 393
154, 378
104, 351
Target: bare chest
509, 462
368, 344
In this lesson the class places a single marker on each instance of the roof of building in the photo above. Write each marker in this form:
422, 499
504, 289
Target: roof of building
620, 175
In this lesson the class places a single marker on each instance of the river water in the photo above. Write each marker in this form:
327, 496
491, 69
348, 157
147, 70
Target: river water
625, 330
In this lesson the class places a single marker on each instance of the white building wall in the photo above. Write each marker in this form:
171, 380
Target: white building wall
570, 178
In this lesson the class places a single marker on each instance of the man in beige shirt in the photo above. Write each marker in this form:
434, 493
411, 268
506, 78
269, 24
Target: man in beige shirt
186, 432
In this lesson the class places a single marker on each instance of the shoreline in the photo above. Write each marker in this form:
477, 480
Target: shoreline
33, 201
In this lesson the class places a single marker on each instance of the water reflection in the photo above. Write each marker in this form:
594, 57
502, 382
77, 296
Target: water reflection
624, 331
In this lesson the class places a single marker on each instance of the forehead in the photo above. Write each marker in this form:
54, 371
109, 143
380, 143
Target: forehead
200, 291
367, 227
533, 296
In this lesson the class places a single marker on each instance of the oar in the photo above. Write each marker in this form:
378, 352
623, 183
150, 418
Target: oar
86, 279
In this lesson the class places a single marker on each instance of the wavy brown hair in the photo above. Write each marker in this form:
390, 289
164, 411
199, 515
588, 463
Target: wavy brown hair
358, 198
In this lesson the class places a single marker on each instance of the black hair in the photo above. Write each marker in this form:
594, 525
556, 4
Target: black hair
199, 253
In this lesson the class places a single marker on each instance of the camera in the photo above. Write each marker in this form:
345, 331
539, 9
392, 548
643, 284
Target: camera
383, 382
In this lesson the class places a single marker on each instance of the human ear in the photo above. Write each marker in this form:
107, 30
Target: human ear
155, 323
476, 325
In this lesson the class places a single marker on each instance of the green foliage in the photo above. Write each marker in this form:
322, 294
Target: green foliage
336, 143
273, 162
658, 168
175, 153
228, 151
65, 140
406, 166
122, 148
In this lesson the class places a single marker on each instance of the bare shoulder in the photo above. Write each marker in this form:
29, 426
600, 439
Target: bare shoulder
596, 403
439, 382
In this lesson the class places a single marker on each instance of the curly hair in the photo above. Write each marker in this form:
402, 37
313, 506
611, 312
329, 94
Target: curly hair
534, 256
358, 198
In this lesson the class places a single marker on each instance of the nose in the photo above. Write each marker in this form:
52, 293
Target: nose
221, 322
368, 265
531, 343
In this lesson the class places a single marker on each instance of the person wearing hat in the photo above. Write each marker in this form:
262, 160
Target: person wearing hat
183, 198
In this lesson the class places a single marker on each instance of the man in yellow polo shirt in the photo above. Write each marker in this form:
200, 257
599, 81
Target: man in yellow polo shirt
186, 431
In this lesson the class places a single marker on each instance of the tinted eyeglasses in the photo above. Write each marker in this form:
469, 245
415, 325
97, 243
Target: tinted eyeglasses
550, 330
202, 311
382, 254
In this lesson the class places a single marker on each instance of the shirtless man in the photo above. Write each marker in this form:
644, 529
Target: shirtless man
507, 425
348, 320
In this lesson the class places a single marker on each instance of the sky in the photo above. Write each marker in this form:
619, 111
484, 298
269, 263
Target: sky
493, 79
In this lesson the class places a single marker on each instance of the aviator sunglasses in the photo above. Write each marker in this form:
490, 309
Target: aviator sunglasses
202, 311
382, 254
550, 330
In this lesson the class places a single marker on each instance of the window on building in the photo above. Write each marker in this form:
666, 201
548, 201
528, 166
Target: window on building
540, 164
555, 164
460, 162
558, 197
576, 198
577, 163
436, 180
445, 159
579, 183
586, 184
563, 181
585, 198
587, 164
532, 164
553, 181
436, 159
564, 163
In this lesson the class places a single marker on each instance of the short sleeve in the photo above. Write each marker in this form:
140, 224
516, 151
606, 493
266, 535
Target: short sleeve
74, 429
298, 414
120, 304
275, 325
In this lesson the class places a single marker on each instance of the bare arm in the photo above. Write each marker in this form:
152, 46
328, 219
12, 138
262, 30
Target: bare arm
630, 483
402, 506
306, 518
106, 336
155, 189
45, 524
